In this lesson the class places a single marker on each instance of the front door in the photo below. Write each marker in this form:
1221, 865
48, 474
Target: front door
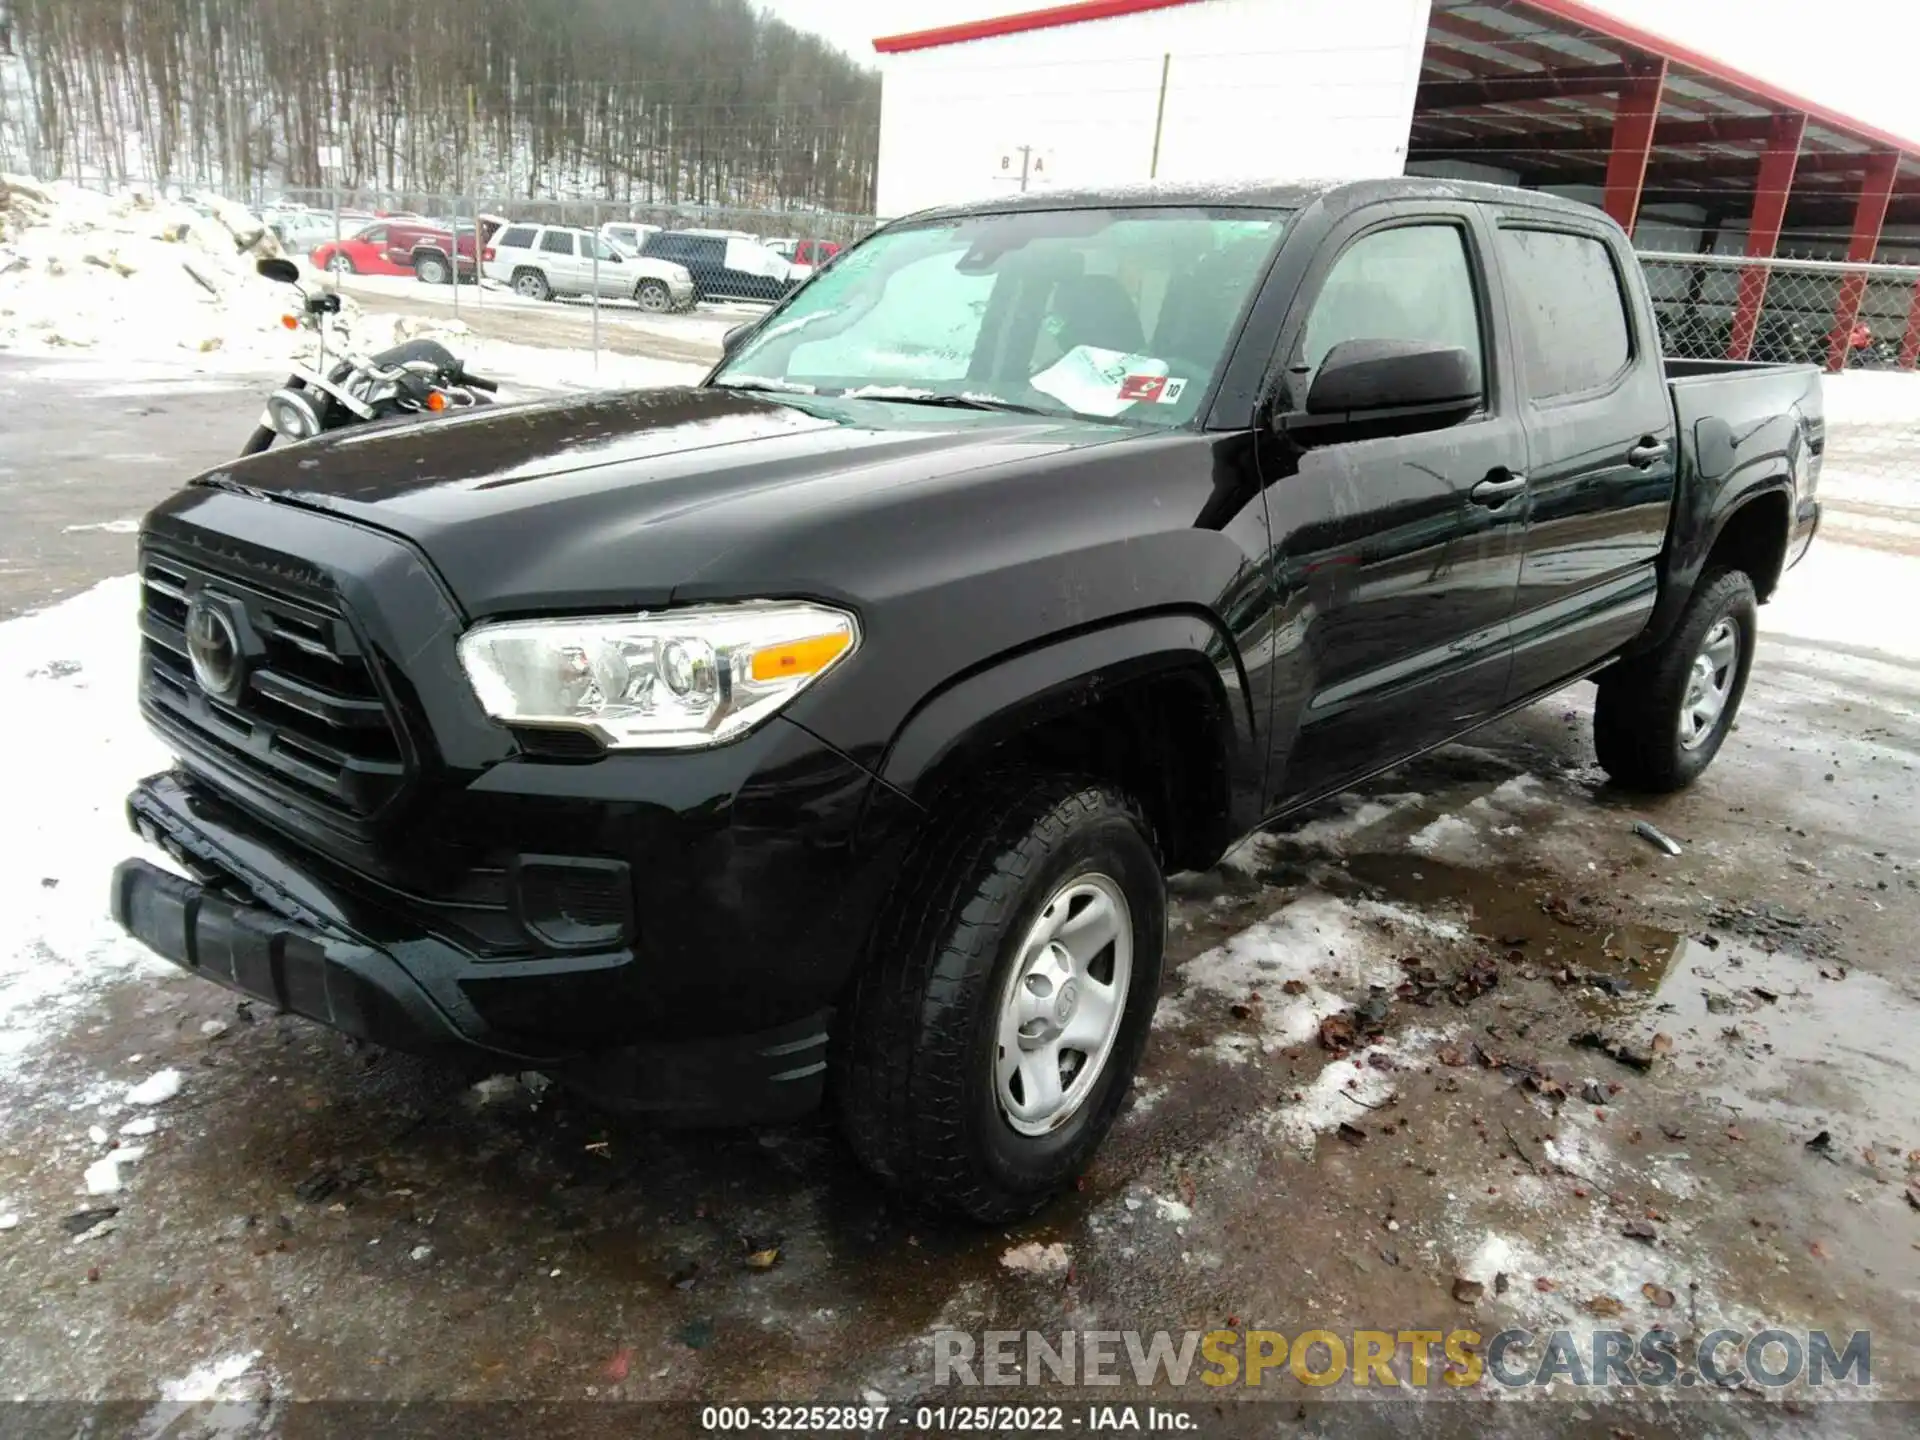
1397, 555
1602, 441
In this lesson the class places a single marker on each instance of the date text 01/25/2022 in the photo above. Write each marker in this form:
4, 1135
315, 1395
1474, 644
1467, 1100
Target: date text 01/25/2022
944, 1419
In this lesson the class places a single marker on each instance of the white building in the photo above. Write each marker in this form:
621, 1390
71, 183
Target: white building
1127, 90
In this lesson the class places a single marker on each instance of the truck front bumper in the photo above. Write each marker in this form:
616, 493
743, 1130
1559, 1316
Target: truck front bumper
264, 919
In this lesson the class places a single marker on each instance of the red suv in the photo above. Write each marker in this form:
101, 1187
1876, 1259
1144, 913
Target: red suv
407, 247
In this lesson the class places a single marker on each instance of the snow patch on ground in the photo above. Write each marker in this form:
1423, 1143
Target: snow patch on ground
1451, 837
1356, 815
103, 1175
1332, 947
156, 1089
206, 1381
1347, 1088
67, 702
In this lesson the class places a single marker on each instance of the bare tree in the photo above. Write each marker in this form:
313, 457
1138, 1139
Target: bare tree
655, 101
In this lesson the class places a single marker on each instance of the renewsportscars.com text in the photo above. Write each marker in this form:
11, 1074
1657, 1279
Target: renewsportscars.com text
1658, 1358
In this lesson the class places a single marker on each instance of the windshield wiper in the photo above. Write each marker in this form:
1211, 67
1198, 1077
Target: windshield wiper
953, 402
771, 387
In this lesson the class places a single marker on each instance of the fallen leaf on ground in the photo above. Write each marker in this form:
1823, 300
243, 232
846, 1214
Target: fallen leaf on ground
1661, 1044
1449, 1055
1734, 1133
1467, 1292
1817, 1250
1673, 1132
1604, 1305
1544, 1285
1350, 1133
1336, 1034
1821, 1142
1640, 1230
1295, 987
617, 1367
1661, 1297
764, 1259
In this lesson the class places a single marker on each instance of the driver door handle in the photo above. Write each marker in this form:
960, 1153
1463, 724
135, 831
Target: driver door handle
1498, 488
1647, 453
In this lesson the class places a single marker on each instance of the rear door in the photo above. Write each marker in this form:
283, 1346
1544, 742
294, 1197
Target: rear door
556, 257
1397, 555
1601, 442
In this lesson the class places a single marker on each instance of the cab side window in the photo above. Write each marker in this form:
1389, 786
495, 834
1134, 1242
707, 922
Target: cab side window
1569, 311
557, 242
1413, 282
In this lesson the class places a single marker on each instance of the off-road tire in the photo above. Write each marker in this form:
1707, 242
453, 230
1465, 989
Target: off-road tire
544, 291
912, 1075
653, 297
1636, 718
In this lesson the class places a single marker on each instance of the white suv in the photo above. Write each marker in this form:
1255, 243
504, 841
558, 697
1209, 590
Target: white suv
543, 261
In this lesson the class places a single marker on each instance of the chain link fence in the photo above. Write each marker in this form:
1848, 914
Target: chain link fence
1860, 323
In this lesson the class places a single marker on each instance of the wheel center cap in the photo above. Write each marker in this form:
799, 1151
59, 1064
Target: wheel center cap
1068, 998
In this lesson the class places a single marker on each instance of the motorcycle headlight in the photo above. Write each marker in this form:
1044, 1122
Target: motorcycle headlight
671, 680
293, 414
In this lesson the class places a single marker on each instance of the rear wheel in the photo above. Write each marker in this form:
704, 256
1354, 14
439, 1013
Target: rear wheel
341, 264
1661, 717
432, 269
989, 1042
531, 285
653, 297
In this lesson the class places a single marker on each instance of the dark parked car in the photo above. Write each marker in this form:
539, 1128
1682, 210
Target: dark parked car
830, 726
725, 267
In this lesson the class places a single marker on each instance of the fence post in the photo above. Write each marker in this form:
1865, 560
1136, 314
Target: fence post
454, 258
595, 242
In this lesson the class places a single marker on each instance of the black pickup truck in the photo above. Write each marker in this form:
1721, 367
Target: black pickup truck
826, 729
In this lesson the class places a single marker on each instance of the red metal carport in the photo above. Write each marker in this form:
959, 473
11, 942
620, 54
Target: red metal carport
1561, 94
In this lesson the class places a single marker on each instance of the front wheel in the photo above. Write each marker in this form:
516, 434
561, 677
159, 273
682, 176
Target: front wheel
532, 285
340, 264
990, 1039
1661, 717
653, 297
261, 439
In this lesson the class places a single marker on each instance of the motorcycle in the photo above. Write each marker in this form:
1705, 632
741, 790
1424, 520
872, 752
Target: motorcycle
421, 377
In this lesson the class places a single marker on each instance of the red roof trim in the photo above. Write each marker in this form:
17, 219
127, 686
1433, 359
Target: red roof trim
1018, 24
1612, 28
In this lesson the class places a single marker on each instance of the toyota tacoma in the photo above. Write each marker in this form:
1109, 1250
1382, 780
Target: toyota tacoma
825, 730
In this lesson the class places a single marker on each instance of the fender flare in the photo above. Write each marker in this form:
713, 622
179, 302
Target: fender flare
1014, 692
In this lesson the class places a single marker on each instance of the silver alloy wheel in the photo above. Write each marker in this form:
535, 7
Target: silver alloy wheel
652, 297
1709, 684
340, 264
1062, 1005
530, 287
431, 271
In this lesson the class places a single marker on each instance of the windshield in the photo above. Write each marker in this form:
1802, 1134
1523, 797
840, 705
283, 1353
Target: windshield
1106, 313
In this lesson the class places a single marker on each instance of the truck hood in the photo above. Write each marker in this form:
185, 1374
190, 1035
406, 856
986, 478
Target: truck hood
633, 499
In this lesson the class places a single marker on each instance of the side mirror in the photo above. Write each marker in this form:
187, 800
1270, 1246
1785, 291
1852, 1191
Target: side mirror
730, 342
285, 271
1366, 379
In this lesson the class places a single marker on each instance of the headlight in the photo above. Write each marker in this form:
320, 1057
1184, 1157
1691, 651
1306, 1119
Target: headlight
674, 680
294, 414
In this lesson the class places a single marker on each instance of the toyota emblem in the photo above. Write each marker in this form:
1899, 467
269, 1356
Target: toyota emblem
213, 649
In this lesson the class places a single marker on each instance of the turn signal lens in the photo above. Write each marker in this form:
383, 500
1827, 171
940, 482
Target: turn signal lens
436, 401
798, 658
292, 322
